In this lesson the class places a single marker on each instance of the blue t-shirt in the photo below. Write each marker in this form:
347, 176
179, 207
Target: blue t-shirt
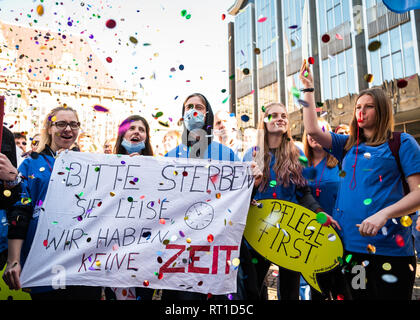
277, 191
215, 151
375, 185
327, 181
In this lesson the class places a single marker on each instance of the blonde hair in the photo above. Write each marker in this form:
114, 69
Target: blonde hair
309, 152
287, 166
45, 136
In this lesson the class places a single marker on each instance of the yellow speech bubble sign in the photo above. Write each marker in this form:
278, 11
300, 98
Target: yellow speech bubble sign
290, 236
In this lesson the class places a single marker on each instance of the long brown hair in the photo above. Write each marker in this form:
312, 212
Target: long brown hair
309, 152
123, 128
384, 125
45, 136
287, 166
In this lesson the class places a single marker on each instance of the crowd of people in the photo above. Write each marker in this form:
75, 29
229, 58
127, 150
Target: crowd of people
337, 172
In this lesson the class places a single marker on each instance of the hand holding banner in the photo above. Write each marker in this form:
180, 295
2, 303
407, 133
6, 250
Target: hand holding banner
289, 235
121, 221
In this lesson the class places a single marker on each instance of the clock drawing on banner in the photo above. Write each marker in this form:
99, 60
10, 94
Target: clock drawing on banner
199, 215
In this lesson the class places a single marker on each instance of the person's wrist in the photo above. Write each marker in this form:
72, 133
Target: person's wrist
14, 182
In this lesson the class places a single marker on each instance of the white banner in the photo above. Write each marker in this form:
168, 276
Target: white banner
120, 221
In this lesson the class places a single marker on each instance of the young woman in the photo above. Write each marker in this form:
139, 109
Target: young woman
371, 204
197, 137
322, 172
134, 137
60, 130
197, 142
170, 140
323, 175
277, 153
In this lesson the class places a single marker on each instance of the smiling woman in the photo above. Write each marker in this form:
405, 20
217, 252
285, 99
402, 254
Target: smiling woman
60, 130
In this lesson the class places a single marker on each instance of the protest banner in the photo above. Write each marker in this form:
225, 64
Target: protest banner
290, 236
120, 221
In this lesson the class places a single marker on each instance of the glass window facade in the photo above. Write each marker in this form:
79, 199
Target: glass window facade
266, 31
243, 39
292, 20
338, 76
395, 59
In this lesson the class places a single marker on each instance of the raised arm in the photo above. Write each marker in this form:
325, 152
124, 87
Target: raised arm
310, 119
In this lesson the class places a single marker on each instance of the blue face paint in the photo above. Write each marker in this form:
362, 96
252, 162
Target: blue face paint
193, 120
133, 147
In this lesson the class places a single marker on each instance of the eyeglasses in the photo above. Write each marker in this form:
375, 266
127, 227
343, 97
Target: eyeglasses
63, 124
198, 107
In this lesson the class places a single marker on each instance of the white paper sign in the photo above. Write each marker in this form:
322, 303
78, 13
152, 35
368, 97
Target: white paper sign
120, 221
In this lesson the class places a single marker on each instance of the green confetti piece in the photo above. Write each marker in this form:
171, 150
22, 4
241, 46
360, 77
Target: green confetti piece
321, 217
296, 92
367, 201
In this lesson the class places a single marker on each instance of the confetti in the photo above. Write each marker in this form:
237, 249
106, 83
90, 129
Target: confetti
245, 118
348, 258
303, 103
402, 83
367, 201
406, 221
7, 193
296, 92
367, 155
368, 77
303, 160
321, 217
110, 23
332, 237
386, 266
40, 10
399, 240
325, 38
108, 59
100, 108
374, 45
311, 60
389, 278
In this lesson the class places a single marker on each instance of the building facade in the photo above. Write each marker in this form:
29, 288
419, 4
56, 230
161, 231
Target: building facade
40, 70
356, 44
